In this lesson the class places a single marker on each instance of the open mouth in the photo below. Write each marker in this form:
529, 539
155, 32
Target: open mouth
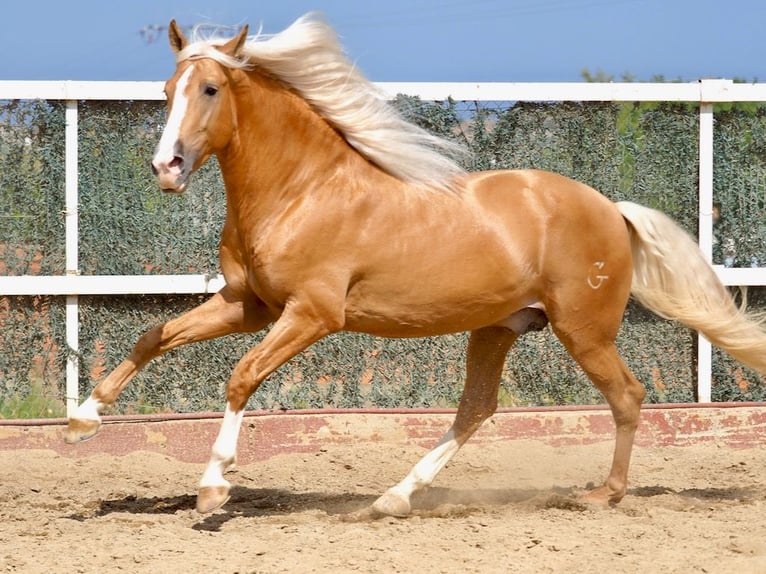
172, 176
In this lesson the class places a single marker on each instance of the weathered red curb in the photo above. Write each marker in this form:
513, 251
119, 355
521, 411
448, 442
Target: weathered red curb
265, 434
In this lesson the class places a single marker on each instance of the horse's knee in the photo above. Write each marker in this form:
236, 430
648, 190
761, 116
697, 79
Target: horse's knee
149, 343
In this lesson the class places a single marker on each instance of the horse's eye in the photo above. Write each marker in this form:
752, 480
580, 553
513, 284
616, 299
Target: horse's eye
211, 90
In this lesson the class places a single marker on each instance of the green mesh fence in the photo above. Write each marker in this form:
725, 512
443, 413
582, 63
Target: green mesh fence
643, 152
127, 226
31, 188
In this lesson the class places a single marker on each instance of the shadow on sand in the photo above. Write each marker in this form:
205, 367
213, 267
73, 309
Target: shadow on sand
435, 502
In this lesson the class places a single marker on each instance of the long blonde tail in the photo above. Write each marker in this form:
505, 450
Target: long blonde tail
672, 278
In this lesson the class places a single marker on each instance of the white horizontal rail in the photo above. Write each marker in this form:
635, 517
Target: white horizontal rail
713, 90
20, 285
110, 284
741, 276
578, 92
68, 90
72, 285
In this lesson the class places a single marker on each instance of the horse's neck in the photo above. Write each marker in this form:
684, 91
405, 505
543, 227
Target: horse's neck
282, 146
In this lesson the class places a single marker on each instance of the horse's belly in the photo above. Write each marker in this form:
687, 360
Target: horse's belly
432, 312
453, 286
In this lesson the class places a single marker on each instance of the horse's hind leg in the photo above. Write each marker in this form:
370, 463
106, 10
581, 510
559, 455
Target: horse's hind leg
606, 369
487, 350
220, 315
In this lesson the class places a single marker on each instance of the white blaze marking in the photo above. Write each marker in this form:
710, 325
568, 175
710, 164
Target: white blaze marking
166, 147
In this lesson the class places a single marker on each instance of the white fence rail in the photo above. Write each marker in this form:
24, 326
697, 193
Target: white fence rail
72, 284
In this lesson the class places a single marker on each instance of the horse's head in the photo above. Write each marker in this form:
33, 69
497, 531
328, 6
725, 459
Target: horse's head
200, 118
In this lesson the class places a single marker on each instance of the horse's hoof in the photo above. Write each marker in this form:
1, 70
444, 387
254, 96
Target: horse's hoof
392, 504
603, 496
210, 498
79, 430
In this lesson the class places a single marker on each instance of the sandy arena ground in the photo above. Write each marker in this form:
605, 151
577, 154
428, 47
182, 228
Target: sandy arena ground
505, 507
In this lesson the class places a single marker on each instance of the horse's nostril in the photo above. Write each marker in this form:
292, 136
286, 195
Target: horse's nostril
155, 171
177, 162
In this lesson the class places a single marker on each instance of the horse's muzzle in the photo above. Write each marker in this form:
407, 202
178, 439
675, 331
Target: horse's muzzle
172, 175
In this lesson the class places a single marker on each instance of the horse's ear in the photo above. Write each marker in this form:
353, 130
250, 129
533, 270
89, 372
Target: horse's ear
234, 46
177, 39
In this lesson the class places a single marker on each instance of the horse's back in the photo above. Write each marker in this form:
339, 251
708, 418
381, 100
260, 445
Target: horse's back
556, 212
520, 193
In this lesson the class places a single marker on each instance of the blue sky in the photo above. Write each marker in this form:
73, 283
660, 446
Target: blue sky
408, 40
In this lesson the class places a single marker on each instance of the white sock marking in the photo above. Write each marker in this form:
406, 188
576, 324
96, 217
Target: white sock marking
425, 471
224, 449
89, 410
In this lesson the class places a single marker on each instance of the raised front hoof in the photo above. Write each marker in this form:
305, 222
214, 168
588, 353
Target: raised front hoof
392, 504
79, 430
603, 496
210, 498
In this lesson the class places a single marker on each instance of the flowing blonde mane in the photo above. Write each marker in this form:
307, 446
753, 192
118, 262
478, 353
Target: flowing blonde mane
308, 57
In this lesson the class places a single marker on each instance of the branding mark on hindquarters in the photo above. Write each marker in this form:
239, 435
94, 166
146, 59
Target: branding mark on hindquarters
596, 277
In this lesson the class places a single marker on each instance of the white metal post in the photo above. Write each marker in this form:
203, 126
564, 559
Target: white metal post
704, 348
71, 232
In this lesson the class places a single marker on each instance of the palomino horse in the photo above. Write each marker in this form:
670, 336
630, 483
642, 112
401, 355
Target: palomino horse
342, 216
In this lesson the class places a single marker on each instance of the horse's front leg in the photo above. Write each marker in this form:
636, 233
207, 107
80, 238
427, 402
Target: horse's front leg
300, 325
487, 350
222, 314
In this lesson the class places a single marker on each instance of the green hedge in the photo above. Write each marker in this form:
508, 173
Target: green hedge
642, 152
